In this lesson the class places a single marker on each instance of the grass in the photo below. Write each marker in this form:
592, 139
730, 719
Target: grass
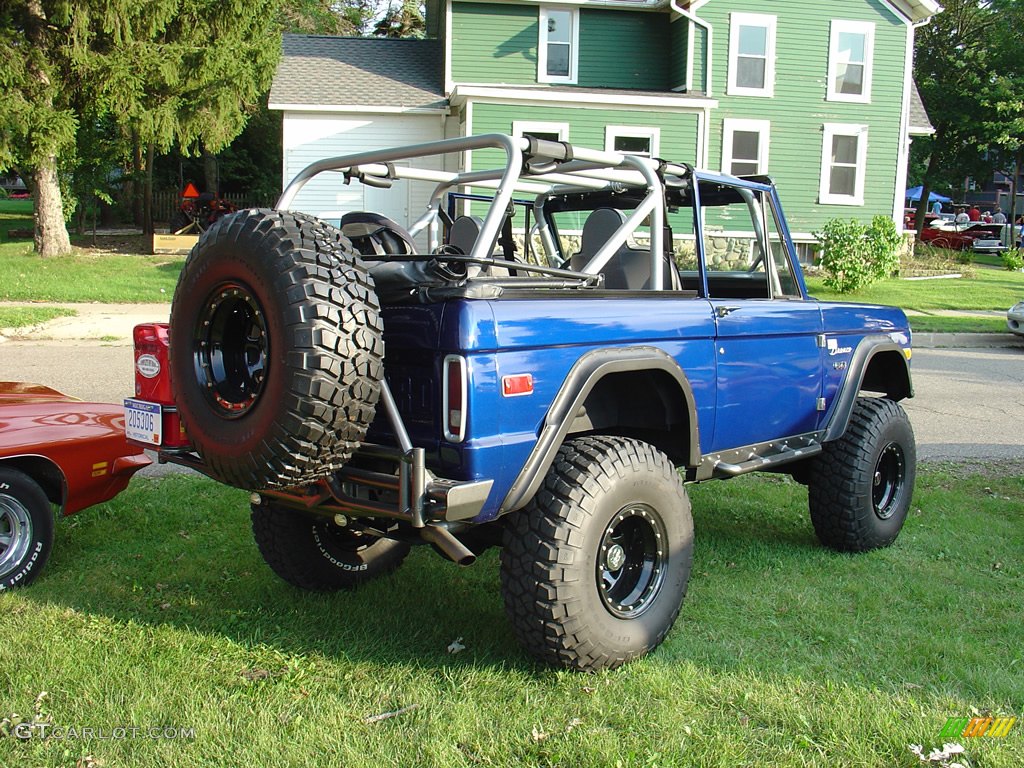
157, 610
988, 289
24, 317
14, 214
86, 275
944, 324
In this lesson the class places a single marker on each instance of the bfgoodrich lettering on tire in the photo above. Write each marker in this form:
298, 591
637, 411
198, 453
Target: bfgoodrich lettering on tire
276, 349
595, 568
860, 486
26, 529
316, 554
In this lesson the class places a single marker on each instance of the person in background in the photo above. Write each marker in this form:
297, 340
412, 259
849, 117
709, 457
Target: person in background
974, 214
961, 216
937, 208
999, 217
986, 217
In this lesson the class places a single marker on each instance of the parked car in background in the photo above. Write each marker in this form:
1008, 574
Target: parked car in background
1015, 318
975, 236
54, 450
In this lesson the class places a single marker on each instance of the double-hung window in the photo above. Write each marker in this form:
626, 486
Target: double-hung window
632, 140
850, 53
844, 154
745, 146
751, 54
558, 48
541, 130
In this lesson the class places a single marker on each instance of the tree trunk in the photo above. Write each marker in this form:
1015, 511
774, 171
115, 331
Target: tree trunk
147, 197
922, 204
211, 172
51, 233
1013, 200
137, 185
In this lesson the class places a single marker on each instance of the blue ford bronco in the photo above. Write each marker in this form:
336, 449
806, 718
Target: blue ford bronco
542, 361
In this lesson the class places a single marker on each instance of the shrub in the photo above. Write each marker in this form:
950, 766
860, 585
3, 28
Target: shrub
844, 255
883, 243
1013, 260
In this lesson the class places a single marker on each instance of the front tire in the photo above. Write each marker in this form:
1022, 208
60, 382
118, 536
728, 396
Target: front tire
317, 555
861, 484
595, 568
26, 529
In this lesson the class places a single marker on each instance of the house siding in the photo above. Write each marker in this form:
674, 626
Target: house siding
679, 130
624, 49
680, 44
700, 66
497, 43
494, 43
799, 107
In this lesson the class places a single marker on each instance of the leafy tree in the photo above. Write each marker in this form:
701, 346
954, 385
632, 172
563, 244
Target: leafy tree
971, 76
167, 71
401, 19
37, 124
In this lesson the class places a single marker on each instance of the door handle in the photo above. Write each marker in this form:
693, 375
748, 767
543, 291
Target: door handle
723, 311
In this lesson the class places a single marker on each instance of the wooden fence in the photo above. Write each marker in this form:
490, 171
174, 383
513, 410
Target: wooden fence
166, 202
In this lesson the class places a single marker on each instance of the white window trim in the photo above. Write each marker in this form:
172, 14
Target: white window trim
737, 20
522, 127
574, 47
762, 128
865, 28
612, 132
830, 130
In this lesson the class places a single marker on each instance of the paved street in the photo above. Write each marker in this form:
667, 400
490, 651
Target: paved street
969, 404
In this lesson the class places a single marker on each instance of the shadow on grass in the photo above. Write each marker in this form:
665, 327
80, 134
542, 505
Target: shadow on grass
764, 597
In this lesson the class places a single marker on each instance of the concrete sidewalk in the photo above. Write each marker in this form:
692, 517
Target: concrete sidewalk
112, 324
92, 323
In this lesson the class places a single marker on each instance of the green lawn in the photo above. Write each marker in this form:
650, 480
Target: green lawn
14, 214
988, 289
941, 324
156, 610
87, 275
23, 317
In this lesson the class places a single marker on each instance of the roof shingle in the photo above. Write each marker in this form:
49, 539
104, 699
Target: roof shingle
371, 72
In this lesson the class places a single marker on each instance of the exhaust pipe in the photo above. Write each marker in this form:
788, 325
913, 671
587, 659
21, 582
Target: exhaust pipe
452, 548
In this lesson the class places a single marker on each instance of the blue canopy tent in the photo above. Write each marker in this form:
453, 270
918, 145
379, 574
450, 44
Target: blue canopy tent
914, 194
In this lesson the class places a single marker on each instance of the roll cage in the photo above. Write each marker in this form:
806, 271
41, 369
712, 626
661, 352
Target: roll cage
560, 177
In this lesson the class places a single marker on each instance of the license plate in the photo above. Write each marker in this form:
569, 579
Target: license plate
143, 421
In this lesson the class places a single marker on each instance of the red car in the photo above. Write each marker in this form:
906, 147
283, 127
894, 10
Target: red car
54, 450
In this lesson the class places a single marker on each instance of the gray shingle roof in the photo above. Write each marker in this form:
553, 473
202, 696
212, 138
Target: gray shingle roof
920, 123
372, 72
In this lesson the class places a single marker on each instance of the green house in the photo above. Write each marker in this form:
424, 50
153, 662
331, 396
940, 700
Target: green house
816, 93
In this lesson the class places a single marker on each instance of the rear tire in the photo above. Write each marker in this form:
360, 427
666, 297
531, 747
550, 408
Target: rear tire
595, 568
26, 529
317, 555
861, 485
276, 349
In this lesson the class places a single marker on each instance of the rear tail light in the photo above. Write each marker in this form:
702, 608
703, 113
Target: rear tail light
153, 379
454, 398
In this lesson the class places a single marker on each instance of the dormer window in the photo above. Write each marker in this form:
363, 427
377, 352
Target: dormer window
558, 47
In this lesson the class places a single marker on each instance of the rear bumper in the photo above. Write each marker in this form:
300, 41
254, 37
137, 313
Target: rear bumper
407, 492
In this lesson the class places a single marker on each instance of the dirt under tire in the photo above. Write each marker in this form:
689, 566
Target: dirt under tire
316, 554
276, 349
26, 529
860, 486
594, 570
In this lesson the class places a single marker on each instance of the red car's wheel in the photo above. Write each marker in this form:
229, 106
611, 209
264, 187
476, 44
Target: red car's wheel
26, 529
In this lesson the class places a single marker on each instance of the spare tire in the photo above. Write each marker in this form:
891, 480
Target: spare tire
276, 349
